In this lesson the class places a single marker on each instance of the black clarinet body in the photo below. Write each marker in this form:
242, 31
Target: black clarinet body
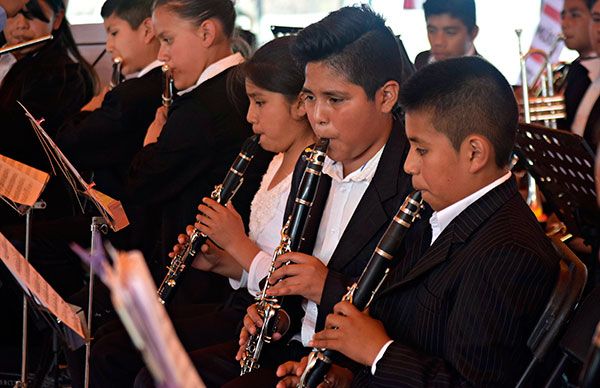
361, 293
116, 76
222, 194
275, 319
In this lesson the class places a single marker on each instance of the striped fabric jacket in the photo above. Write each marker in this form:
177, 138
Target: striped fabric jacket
461, 310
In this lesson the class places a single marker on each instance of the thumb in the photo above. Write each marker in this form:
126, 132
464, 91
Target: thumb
232, 208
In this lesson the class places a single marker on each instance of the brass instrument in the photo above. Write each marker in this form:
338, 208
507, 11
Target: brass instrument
116, 76
19, 46
546, 108
544, 105
222, 194
275, 319
168, 86
362, 292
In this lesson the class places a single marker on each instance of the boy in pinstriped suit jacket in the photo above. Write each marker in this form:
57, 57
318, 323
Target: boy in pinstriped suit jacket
459, 308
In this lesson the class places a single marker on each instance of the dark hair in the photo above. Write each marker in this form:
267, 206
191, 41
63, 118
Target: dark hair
464, 10
198, 11
134, 12
465, 95
356, 42
590, 3
63, 37
273, 68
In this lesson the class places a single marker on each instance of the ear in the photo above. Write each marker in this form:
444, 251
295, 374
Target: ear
148, 30
478, 151
58, 18
207, 32
474, 33
298, 110
387, 96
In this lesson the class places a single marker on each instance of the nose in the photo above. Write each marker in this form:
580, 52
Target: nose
110, 45
437, 39
410, 163
251, 115
320, 115
163, 54
21, 22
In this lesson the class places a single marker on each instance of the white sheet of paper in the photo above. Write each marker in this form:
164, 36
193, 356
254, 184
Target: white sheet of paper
21, 183
31, 280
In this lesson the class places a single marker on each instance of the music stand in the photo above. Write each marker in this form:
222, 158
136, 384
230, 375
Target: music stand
112, 213
563, 165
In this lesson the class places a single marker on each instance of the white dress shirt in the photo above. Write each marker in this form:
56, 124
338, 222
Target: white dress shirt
266, 220
215, 69
6, 62
344, 196
439, 221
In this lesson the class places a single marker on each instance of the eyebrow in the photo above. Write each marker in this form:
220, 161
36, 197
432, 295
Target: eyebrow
415, 139
328, 93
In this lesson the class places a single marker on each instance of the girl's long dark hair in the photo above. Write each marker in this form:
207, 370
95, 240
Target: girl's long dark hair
63, 38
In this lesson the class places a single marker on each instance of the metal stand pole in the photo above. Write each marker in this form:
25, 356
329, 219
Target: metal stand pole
23, 382
98, 226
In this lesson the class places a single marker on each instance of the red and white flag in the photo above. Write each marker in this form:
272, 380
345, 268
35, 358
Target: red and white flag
546, 37
413, 4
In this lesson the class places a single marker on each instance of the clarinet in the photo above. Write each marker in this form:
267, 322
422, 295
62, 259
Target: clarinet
222, 193
116, 76
275, 319
361, 293
167, 94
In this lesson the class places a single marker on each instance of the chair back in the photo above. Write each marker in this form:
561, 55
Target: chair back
567, 292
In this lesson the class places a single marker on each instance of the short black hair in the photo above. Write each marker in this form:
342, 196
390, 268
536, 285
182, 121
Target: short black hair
465, 96
197, 11
356, 42
590, 3
134, 12
463, 10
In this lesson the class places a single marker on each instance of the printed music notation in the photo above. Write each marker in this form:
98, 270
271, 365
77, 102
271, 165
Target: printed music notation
21, 183
35, 285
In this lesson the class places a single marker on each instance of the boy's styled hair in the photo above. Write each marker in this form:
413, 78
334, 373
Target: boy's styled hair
356, 42
464, 10
465, 96
198, 11
134, 12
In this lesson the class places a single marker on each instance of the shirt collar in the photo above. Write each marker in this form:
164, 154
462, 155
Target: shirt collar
441, 219
364, 174
215, 69
469, 53
156, 63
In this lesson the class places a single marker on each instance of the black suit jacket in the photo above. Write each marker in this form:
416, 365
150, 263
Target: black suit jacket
591, 133
461, 310
201, 138
106, 139
577, 82
386, 192
53, 87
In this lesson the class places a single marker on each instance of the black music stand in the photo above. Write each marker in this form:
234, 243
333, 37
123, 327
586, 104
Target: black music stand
562, 164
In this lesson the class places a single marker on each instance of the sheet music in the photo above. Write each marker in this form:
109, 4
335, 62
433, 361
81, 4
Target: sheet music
134, 296
109, 208
42, 292
21, 183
